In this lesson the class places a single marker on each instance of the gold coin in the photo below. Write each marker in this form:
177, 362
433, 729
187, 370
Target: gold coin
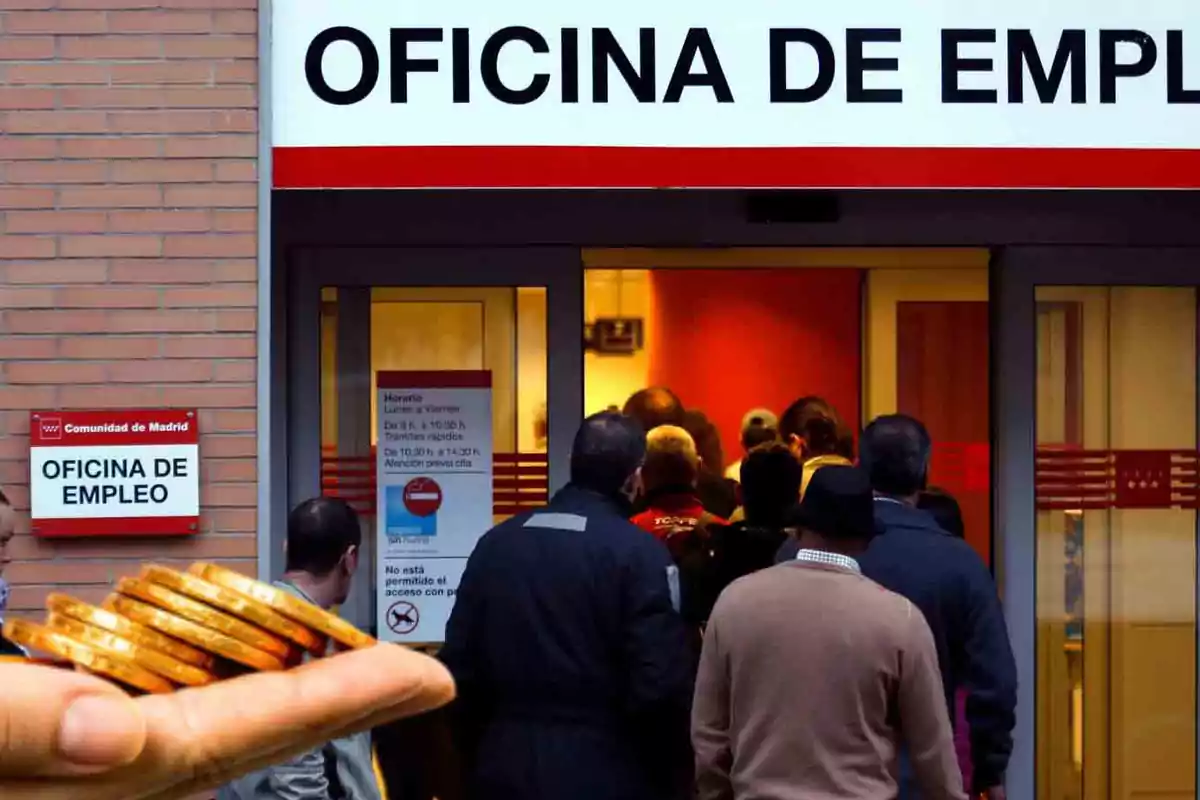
192, 633
287, 604
205, 615
40, 638
152, 660
127, 629
235, 603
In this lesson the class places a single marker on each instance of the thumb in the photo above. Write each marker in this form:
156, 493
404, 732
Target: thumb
56, 722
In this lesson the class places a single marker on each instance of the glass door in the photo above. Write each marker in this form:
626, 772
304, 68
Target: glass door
430, 312
1099, 448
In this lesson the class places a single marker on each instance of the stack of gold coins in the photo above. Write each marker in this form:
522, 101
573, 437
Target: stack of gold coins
166, 629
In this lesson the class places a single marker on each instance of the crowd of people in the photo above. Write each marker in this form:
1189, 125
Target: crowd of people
807, 622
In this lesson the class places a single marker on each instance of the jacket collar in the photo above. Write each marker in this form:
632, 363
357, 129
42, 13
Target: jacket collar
578, 499
892, 515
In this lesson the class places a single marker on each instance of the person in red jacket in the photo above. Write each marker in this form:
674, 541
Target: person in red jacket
669, 476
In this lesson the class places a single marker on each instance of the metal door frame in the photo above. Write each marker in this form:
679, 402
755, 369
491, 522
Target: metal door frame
558, 269
1017, 273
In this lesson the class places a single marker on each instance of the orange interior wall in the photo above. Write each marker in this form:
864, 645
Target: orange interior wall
730, 340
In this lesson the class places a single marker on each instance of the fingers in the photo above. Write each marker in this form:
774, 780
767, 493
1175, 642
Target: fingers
199, 739
56, 722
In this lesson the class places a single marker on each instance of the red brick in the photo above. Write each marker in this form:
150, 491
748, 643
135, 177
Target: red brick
24, 398
69, 572
161, 321
54, 222
162, 271
236, 22
161, 371
170, 171
57, 172
211, 46
110, 245
237, 320
25, 98
56, 321
210, 346
225, 146
237, 171
213, 196
228, 494
26, 297
108, 297
111, 97
223, 296
111, 148
227, 469
56, 72
26, 48
162, 72
96, 48
15, 147
108, 396
230, 520
219, 420
27, 247
149, 196
159, 22
174, 121
210, 396
235, 371
235, 221
27, 347
57, 122
25, 197
55, 22
243, 71
224, 245
160, 221
102, 347
218, 97
236, 270
57, 272
51, 372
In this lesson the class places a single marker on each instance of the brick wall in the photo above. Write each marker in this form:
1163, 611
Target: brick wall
127, 246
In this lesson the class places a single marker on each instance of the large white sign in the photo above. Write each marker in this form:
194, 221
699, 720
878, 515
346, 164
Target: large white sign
753, 74
114, 472
434, 478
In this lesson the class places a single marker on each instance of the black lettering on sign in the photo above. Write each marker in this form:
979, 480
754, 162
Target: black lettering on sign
570, 65
640, 80
1176, 93
826, 65
490, 65
102, 494
953, 63
857, 65
460, 69
1023, 54
1111, 69
698, 43
314, 71
402, 65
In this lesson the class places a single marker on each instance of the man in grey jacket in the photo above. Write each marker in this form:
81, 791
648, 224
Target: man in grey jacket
323, 540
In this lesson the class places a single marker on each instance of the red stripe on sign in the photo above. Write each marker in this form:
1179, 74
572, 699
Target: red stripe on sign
435, 379
115, 526
490, 167
113, 427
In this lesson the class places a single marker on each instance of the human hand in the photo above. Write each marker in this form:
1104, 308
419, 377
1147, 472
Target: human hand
66, 735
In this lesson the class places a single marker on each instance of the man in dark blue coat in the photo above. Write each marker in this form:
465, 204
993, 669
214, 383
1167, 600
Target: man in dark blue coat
945, 578
572, 663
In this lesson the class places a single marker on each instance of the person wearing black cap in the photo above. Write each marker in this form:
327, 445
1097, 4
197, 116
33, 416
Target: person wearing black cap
812, 677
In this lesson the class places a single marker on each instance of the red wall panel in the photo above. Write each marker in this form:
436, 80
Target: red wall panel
730, 340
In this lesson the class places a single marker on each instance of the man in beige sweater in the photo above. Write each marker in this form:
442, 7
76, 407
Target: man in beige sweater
812, 675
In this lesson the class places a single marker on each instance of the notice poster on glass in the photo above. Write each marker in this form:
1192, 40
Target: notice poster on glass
434, 478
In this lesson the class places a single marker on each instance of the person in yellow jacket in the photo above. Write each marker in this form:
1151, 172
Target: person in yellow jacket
815, 433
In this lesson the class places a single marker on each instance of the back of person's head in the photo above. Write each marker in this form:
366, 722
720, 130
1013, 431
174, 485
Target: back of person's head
707, 439
814, 426
671, 459
654, 406
770, 484
839, 507
944, 509
608, 450
759, 426
321, 531
895, 451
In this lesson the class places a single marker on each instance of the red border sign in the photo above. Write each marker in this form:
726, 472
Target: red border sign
114, 428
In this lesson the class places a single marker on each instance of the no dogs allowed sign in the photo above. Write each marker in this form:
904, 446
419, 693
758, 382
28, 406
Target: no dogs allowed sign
114, 473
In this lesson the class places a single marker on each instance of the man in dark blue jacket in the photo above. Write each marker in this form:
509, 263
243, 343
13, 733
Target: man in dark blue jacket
573, 670
945, 578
